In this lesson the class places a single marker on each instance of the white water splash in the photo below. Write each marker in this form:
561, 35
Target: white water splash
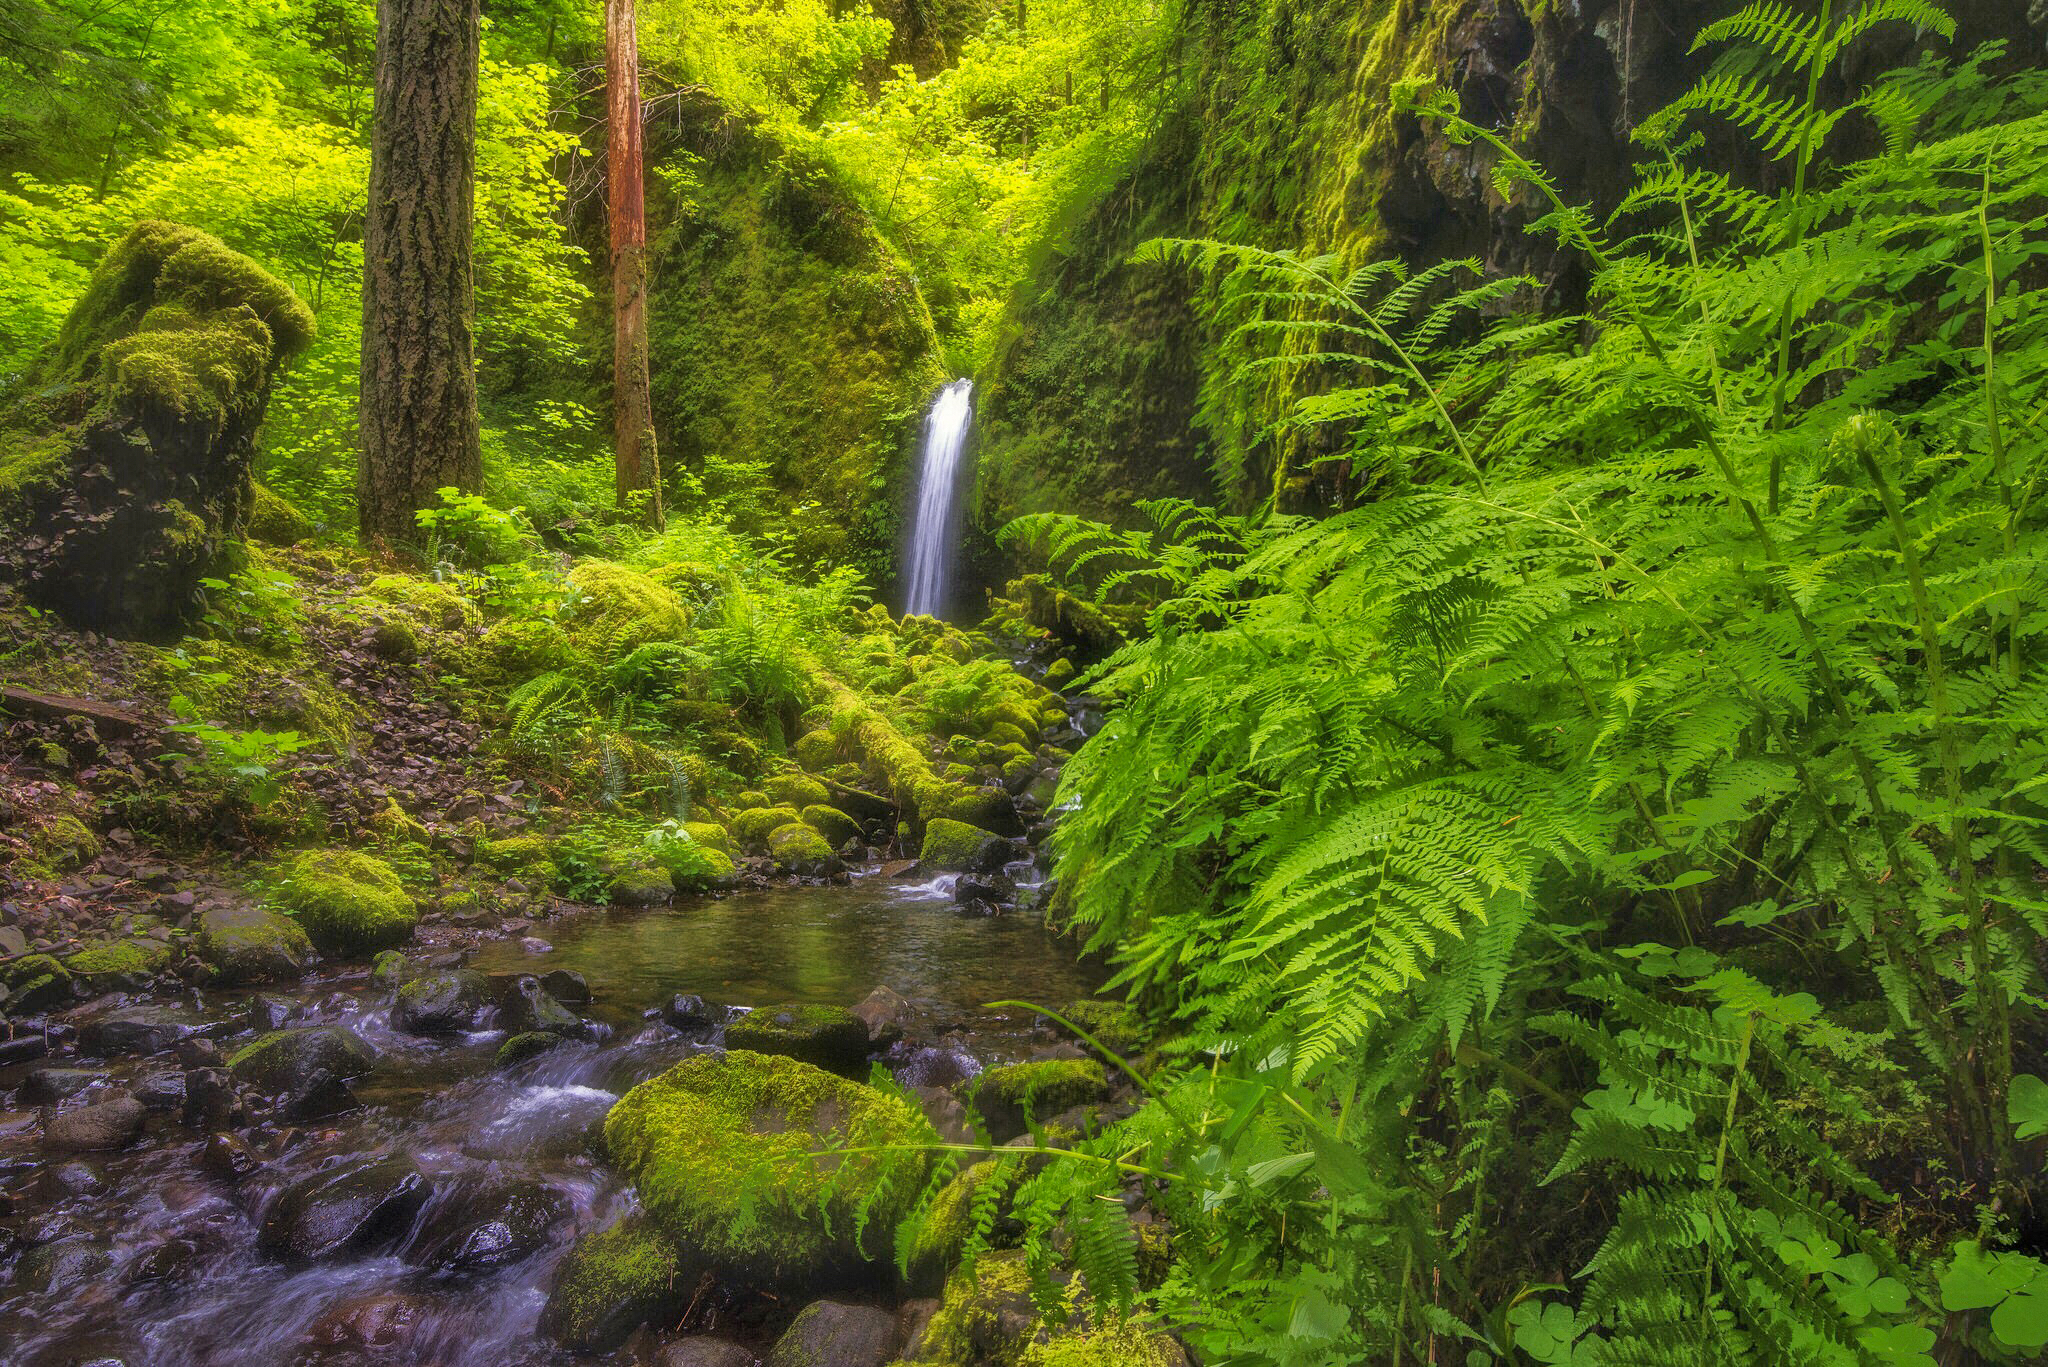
930, 558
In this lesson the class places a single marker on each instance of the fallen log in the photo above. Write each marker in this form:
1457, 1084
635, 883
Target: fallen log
105, 717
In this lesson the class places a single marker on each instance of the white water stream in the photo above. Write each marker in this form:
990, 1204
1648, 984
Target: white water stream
928, 565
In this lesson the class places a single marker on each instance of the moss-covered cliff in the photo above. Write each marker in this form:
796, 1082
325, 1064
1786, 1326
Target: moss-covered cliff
786, 335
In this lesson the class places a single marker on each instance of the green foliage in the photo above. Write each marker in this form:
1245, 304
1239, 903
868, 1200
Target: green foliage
249, 766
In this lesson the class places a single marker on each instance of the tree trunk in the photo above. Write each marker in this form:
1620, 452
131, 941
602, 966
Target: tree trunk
639, 466
418, 404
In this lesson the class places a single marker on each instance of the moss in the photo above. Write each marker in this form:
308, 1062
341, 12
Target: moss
251, 945
643, 886
280, 1060
816, 751
617, 609
797, 790
515, 852
800, 849
609, 1282
349, 902
990, 808
63, 844
977, 1325
1009, 1096
130, 958
836, 826
36, 982
273, 521
32, 464
752, 798
514, 651
526, 1045
392, 969
699, 868
754, 826
709, 834
954, 845
720, 1151
940, 1238
394, 826
1115, 1024
429, 602
1059, 673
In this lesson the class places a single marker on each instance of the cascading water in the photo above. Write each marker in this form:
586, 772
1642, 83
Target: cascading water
930, 558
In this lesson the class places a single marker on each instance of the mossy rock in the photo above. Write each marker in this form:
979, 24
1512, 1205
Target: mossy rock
283, 1060
610, 1283
395, 639
517, 853
527, 1044
797, 790
958, 847
800, 850
1059, 673
989, 1318
516, 650
992, 809
63, 844
1115, 1024
136, 959
37, 982
430, 602
617, 609
709, 834
1009, 1097
395, 826
941, 1236
169, 355
816, 751
719, 1148
829, 1036
250, 945
274, 522
391, 969
754, 825
836, 826
645, 885
349, 902
1005, 734
701, 868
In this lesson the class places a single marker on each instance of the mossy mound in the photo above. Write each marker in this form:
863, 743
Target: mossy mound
62, 844
798, 849
134, 958
987, 1316
961, 848
285, 1059
709, 834
37, 982
169, 357
829, 1036
249, 945
641, 886
754, 825
610, 1283
816, 751
719, 1148
349, 902
836, 826
797, 790
525, 1045
274, 522
430, 602
1115, 1024
617, 609
699, 868
517, 650
1010, 1096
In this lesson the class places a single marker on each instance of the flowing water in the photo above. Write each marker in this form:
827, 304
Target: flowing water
928, 564
153, 1255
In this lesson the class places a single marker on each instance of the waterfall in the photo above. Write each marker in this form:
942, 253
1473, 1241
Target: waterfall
930, 558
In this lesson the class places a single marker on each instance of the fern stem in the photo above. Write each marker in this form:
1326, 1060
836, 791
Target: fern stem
1797, 235
1720, 1172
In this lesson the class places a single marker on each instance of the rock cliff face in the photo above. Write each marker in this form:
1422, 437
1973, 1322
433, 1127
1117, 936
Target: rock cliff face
786, 335
124, 471
1286, 137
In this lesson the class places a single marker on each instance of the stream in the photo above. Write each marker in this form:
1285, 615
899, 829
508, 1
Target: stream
162, 1252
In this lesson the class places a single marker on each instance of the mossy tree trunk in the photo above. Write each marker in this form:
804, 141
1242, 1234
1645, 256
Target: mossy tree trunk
639, 468
418, 405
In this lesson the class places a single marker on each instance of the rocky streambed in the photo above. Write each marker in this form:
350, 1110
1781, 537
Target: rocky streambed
409, 1165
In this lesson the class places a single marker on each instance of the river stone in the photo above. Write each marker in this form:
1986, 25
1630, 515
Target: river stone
703, 1352
440, 1003
649, 886
842, 1335
106, 1125
566, 985
1006, 1097
48, 1086
521, 1047
136, 1030
251, 945
163, 1090
36, 983
610, 1283
719, 1147
528, 1007
955, 847
285, 1061
356, 1210
802, 851
886, 1014
374, 1320
688, 1011
829, 1036
486, 1224
63, 1265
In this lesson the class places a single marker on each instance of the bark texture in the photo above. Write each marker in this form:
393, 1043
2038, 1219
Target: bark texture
639, 467
418, 406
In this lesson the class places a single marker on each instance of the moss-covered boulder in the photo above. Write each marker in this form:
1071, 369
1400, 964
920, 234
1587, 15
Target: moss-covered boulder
709, 833
527, 1044
251, 945
720, 1149
430, 602
440, 1003
990, 1319
642, 885
35, 983
699, 868
614, 609
797, 790
610, 1283
128, 475
836, 826
132, 960
286, 1060
274, 522
1007, 1097
754, 825
829, 1036
816, 751
798, 849
796, 338
958, 847
349, 902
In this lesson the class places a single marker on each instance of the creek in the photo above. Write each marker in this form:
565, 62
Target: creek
173, 1251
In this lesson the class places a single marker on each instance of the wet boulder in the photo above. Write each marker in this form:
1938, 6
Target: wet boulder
251, 945
613, 1281
526, 1006
566, 985
354, 1210
64, 1265
347, 901
956, 847
36, 983
440, 1003
483, 1224
287, 1061
137, 1030
829, 1036
528, 1044
1007, 1098
689, 1012
104, 1125
642, 886
128, 474
843, 1335
48, 1086
696, 1351
720, 1149
886, 1015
